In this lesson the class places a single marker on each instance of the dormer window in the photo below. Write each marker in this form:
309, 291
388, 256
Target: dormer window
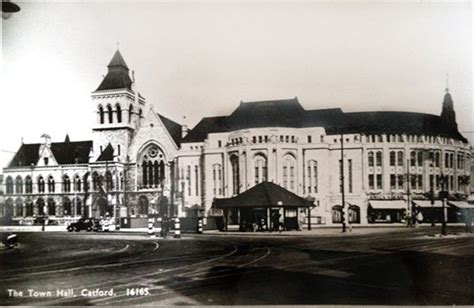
46, 161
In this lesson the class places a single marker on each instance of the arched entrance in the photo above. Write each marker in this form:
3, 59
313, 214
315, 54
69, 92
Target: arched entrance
40, 206
104, 208
29, 208
354, 214
337, 214
51, 207
9, 208
142, 206
18, 207
67, 207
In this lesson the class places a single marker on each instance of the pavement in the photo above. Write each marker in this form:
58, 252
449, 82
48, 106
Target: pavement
370, 266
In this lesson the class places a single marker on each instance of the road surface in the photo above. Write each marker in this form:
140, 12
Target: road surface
398, 266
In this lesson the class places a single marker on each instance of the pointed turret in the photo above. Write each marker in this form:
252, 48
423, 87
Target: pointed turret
447, 113
67, 138
117, 76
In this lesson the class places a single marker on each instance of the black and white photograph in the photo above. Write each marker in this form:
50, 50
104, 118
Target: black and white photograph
237, 152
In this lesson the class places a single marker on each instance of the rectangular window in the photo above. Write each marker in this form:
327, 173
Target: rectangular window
281, 138
413, 182
309, 179
285, 176
349, 167
420, 181
260, 139
431, 181
310, 139
254, 139
400, 159
393, 181
219, 173
371, 181
196, 177
287, 139
341, 181
379, 159
292, 177
392, 159
379, 181
315, 178
400, 182
188, 179
219, 143
256, 175
118, 149
266, 138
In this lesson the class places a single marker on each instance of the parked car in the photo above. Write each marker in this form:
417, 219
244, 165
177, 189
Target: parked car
88, 224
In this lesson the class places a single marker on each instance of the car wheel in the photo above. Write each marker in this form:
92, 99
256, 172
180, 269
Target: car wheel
89, 229
69, 229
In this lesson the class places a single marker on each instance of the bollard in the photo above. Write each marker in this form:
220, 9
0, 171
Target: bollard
199, 230
150, 227
159, 229
177, 227
106, 225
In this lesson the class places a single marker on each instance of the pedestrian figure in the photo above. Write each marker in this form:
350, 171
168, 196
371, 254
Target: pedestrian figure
419, 217
43, 227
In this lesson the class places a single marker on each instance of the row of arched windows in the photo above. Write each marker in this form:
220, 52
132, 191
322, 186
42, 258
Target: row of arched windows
108, 113
78, 183
27, 208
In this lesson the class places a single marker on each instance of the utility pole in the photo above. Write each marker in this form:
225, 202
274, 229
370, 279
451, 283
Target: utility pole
443, 196
342, 185
409, 208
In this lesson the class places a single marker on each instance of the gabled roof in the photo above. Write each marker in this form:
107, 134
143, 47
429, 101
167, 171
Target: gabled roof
265, 194
107, 154
289, 113
64, 152
173, 128
117, 76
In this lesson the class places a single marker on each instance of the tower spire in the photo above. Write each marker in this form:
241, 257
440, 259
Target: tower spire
447, 82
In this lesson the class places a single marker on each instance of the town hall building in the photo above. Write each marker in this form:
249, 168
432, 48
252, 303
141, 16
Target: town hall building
140, 162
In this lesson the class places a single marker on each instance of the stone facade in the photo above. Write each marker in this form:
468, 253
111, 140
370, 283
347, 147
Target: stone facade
138, 163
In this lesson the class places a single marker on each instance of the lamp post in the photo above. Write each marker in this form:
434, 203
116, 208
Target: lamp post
342, 185
443, 196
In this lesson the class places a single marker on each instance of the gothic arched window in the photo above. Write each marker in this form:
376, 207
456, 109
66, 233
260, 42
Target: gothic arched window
109, 181
66, 183
260, 163
119, 114
130, 113
18, 185
51, 184
9, 185
77, 183
40, 184
95, 181
152, 167
289, 164
101, 115
28, 185
110, 114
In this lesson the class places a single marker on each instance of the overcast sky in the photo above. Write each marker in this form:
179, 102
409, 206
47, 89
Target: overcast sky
201, 59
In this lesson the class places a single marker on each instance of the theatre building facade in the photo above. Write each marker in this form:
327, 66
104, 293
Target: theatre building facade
140, 162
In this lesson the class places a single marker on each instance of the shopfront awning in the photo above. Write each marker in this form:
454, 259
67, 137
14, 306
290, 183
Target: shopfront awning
264, 195
427, 203
461, 204
388, 204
